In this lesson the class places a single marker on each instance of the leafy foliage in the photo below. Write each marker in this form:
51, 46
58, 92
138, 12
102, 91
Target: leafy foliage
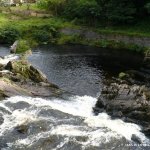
55, 6
147, 6
22, 46
42, 33
8, 35
108, 11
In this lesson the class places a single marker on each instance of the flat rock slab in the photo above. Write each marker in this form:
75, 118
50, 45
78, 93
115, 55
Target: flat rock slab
9, 89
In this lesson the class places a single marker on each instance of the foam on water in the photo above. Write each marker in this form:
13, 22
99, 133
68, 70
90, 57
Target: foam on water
97, 128
18, 117
8, 58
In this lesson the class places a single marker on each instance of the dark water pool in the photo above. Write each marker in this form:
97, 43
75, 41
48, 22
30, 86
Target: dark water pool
81, 69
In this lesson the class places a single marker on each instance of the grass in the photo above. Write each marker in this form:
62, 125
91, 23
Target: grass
140, 29
24, 23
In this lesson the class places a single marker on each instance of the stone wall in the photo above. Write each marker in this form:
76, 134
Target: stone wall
91, 35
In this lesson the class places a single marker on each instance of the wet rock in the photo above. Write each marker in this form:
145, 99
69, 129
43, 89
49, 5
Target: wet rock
139, 75
26, 70
117, 114
136, 139
18, 105
2, 94
48, 85
128, 101
100, 103
22, 129
8, 89
123, 75
146, 131
36, 75
1, 119
21, 78
1, 67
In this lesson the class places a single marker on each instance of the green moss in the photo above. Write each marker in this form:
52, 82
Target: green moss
26, 71
123, 75
68, 39
22, 68
119, 45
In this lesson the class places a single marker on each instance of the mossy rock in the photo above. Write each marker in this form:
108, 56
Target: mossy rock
123, 75
26, 70
2, 95
1, 66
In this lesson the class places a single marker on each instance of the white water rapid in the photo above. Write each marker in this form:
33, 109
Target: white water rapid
64, 121
8, 58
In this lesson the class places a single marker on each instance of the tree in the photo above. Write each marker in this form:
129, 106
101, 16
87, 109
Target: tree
117, 11
55, 6
106, 11
147, 6
87, 10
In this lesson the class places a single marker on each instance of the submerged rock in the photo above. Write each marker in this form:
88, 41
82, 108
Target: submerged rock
136, 139
22, 129
1, 119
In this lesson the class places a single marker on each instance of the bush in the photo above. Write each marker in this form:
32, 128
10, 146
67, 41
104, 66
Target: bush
22, 46
68, 39
43, 34
8, 35
55, 6
87, 10
148, 7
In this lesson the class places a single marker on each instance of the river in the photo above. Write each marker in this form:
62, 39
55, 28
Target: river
69, 124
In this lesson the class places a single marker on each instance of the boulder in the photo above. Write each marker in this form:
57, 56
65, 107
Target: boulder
26, 70
128, 102
23, 129
8, 89
14, 47
1, 67
21, 78
1, 119
136, 139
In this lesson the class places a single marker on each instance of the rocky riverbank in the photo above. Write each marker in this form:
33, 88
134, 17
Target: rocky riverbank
127, 99
18, 77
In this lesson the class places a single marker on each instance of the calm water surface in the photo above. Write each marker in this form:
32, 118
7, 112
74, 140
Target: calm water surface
81, 69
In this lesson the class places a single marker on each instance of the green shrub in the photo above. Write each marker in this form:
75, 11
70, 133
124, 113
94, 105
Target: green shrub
148, 7
55, 6
42, 34
22, 46
8, 35
69, 39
